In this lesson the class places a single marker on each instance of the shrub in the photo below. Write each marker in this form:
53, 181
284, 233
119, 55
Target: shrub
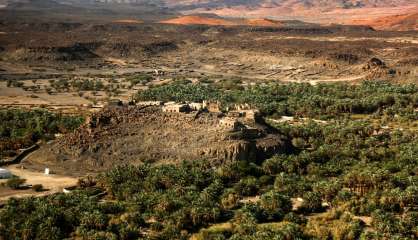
15, 182
247, 186
385, 222
312, 202
37, 187
265, 180
295, 218
250, 211
272, 165
291, 184
230, 199
275, 205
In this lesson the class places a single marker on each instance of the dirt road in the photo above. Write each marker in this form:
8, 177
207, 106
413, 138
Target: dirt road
52, 183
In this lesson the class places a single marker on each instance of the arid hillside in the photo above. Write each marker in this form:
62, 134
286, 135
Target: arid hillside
402, 22
198, 20
76, 10
293, 52
133, 135
202, 20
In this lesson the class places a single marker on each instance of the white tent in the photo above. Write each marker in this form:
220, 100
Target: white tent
4, 174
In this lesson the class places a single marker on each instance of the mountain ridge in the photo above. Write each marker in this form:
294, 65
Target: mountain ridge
314, 11
208, 4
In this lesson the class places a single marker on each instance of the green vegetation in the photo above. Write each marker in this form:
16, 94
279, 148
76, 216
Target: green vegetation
87, 85
180, 91
346, 165
139, 79
356, 178
81, 85
22, 128
17, 84
322, 100
38, 188
15, 183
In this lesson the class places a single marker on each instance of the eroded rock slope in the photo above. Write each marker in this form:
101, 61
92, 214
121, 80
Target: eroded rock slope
134, 135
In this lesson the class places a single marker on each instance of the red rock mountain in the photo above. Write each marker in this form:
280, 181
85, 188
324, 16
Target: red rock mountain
401, 22
382, 14
292, 4
204, 20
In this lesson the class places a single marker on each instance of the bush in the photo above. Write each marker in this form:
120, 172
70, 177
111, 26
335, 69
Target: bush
265, 180
15, 182
295, 218
385, 222
247, 186
37, 187
275, 205
291, 184
312, 202
230, 199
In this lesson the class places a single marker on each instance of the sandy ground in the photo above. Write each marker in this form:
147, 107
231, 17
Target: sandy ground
52, 183
130, 21
14, 95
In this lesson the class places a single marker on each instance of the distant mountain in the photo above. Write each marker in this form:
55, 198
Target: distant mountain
402, 22
316, 11
80, 3
150, 10
291, 4
207, 20
250, 4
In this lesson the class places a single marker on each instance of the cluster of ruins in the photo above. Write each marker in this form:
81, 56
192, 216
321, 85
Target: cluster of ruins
235, 117
150, 132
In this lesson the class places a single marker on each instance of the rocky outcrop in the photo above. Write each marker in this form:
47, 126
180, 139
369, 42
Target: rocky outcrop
76, 52
375, 69
133, 135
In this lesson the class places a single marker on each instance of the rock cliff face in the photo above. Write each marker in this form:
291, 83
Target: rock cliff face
133, 135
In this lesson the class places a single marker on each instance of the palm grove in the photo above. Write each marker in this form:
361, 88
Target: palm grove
357, 178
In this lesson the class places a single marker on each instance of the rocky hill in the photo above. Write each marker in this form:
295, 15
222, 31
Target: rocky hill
401, 22
133, 135
76, 10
